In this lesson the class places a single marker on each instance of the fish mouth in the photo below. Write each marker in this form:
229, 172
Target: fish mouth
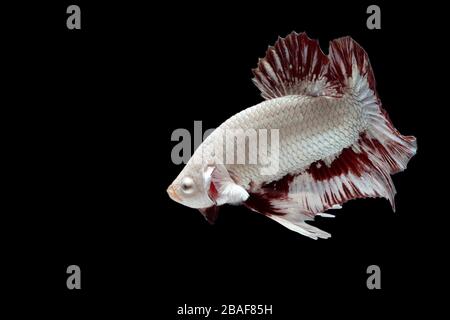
172, 194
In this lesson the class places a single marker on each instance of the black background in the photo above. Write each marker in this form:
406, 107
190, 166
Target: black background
94, 110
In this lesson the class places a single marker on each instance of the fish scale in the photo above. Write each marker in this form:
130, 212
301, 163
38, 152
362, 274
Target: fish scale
304, 139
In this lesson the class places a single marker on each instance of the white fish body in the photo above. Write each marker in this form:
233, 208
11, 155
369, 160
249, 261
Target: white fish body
335, 142
310, 129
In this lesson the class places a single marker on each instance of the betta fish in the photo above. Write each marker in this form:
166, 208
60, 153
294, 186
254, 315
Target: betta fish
334, 141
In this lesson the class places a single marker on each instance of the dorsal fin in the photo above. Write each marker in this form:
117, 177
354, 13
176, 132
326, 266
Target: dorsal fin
294, 65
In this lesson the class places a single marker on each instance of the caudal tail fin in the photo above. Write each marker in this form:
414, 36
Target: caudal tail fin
350, 66
296, 65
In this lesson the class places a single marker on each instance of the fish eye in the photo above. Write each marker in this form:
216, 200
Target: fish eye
187, 185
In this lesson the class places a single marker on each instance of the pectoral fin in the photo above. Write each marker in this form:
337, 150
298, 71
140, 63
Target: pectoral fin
227, 190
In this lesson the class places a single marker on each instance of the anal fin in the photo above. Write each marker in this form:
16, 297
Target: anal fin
295, 199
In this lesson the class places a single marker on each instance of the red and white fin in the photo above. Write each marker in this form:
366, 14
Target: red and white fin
360, 171
299, 198
297, 65
222, 188
384, 145
294, 65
